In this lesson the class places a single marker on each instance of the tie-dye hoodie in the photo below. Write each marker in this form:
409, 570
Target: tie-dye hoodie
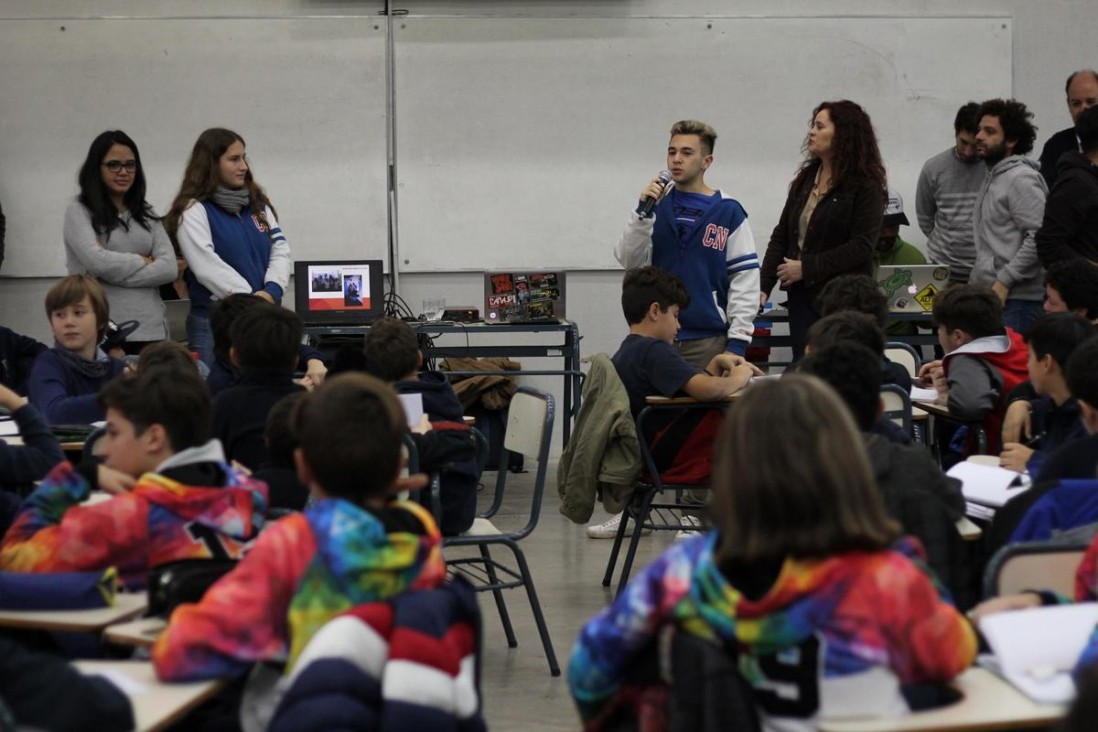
161, 520
831, 638
302, 571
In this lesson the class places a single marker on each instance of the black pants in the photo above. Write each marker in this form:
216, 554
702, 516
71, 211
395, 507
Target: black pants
802, 314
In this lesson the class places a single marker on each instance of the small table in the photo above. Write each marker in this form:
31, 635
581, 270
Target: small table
93, 620
137, 633
156, 705
989, 703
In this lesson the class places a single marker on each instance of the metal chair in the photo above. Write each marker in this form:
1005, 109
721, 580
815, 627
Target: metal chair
643, 502
529, 432
905, 355
1037, 565
897, 407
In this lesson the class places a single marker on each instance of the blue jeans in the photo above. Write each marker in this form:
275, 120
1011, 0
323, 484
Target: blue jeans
1020, 314
200, 337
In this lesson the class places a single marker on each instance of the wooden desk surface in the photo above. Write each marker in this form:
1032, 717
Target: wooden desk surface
156, 705
938, 410
126, 606
137, 633
989, 704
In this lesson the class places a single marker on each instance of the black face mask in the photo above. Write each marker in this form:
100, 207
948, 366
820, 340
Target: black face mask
886, 244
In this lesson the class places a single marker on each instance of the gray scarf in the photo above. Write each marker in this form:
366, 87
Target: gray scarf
100, 368
230, 200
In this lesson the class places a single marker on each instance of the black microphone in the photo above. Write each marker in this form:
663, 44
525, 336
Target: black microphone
650, 203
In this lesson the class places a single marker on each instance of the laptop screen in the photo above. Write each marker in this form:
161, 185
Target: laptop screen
339, 292
523, 297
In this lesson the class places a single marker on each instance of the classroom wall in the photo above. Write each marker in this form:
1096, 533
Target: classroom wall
1051, 38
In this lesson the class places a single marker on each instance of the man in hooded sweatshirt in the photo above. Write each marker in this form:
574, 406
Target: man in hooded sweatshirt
1009, 210
1070, 229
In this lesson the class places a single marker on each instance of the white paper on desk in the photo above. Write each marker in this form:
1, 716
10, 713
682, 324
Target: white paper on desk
1037, 649
125, 684
975, 510
918, 394
987, 485
413, 408
8, 428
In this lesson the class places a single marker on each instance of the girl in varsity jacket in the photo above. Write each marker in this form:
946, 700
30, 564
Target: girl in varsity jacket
805, 578
222, 222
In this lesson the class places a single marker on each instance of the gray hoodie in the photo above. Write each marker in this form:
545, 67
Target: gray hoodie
1009, 210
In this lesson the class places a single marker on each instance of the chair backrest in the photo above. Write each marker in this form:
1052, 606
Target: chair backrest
529, 432
905, 355
897, 407
1038, 565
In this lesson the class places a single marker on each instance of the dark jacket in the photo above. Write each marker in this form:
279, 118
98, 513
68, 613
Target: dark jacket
22, 465
64, 395
17, 354
240, 416
1064, 141
841, 238
1070, 226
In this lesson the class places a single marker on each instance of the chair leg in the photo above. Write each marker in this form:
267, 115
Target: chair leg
535, 606
638, 527
608, 577
497, 593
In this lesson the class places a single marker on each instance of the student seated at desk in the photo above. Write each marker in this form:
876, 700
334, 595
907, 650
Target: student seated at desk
649, 365
354, 545
805, 577
186, 502
21, 465
265, 342
66, 378
861, 294
849, 325
1052, 419
1072, 287
913, 487
284, 488
392, 354
223, 372
983, 359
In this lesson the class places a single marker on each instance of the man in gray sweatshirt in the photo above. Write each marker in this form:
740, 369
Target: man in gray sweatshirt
946, 195
1009, 210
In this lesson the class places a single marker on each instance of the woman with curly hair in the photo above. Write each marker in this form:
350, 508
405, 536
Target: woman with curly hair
832, 216
113, 234
223, 224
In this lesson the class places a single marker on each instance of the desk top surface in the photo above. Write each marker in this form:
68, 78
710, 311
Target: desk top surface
446, 326
138, 633
126, 606
989, 703
156, 705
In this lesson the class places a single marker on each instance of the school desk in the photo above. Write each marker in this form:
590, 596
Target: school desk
989, 703
137, 633
156, 705
93, 620
494, 341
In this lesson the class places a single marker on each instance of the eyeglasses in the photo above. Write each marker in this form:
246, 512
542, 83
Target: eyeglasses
116, 165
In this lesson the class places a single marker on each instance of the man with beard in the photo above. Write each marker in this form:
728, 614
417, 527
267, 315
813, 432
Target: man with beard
1009, 209
1082, 94
946, 193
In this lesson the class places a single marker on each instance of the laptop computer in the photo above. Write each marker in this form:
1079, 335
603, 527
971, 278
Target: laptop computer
339, 292
519, 298
910, 288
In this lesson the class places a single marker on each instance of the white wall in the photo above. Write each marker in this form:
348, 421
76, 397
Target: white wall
1051, 38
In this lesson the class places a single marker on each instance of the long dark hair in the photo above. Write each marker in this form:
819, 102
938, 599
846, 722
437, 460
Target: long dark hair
202, 177
93, 191
855, 155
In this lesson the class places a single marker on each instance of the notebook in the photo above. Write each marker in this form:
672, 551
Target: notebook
339, 292
523, 297
910, 288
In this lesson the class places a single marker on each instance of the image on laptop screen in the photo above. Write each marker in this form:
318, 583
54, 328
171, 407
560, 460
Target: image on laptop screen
523, 297
338, 292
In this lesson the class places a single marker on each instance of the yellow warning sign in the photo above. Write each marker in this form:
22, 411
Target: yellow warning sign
925, 296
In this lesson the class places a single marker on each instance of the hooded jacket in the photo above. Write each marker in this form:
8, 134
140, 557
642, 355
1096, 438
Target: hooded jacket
303, 571
840, 635
981, 374
161, 520
1070, 227
1009, 209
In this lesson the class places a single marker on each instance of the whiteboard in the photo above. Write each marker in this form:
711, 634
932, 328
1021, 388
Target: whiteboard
526, 142
307, 94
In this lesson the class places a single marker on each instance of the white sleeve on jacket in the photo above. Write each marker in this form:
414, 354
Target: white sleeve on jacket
99, 262
635, 247
743, 282
196, 243
281, 261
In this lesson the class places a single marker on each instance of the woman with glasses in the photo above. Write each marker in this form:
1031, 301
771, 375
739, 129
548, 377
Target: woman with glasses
113, 235
224, 225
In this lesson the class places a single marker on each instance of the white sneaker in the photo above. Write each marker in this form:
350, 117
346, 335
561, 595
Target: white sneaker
691, 526
608, 529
